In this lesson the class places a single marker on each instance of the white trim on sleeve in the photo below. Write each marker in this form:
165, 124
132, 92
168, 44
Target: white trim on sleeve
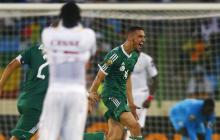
102, 70
18, 58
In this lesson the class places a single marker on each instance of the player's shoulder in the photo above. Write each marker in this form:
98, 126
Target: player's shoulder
88, 31
145, 56
32, 48
48, 30
114, 52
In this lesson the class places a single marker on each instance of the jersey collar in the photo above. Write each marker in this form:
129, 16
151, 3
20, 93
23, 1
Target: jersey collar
78, 26
122, 48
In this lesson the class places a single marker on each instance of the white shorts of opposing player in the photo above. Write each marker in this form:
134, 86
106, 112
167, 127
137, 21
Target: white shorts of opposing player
139, 98
64, 113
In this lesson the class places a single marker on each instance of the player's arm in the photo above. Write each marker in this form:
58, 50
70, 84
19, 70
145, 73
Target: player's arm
152, 88
130, 98
153, 85
10, 68
152, 72
93, 95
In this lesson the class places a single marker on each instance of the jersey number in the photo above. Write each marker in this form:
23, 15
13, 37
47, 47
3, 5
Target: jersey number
126, 74
39, 73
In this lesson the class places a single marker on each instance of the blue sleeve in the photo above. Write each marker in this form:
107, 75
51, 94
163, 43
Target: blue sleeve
209, 126
208, 135
212, 118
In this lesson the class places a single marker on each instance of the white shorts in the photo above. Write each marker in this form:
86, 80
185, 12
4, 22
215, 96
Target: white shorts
64, 112
139, 98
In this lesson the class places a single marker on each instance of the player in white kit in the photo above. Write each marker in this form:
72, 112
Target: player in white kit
68, 47
142, 90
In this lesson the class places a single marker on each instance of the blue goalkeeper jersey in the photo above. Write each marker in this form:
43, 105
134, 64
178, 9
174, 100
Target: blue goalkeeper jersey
189, 109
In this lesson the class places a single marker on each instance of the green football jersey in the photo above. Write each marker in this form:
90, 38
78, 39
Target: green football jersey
117, 66
36, 82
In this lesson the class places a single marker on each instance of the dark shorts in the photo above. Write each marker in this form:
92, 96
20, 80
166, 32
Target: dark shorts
27, 124
116, 106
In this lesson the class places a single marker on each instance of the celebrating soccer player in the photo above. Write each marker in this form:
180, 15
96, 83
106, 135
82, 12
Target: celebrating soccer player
144, 84
115, 70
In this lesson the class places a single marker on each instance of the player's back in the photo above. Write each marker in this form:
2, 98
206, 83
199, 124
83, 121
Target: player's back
68, 51
36, 82
186, 107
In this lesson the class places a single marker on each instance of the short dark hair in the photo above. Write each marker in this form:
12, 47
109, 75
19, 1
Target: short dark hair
208, 107
209, 102
70, 14
134, 28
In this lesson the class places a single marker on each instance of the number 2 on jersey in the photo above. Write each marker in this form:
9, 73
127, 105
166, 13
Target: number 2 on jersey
39, 73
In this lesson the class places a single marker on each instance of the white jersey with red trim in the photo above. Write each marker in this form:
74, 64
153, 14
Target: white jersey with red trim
68, 51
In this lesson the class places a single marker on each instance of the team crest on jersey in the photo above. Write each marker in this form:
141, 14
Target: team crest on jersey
122, 68
109, 62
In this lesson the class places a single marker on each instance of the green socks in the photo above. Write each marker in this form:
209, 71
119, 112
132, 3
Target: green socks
136, 138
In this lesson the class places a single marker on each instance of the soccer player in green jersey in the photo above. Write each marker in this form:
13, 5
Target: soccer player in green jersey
31, 98
115, 71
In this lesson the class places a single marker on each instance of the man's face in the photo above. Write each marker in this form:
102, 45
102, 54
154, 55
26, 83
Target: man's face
138, 39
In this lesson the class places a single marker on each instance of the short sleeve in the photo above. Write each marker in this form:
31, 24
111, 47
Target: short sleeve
108, 62
24, 57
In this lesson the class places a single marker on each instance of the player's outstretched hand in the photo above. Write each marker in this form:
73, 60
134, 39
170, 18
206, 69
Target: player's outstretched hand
90, 107
93, 97
133, 111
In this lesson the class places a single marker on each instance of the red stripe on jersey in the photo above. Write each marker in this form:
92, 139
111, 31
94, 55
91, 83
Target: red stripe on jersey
71, 52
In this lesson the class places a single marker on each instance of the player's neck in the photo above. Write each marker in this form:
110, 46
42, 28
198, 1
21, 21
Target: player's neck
128, 47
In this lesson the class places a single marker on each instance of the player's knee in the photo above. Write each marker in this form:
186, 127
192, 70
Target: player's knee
134, 125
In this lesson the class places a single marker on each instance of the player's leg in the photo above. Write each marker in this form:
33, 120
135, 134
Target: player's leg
76, 114
52, 114
178, 124
192, 132
208, 133
201, 131
139, 98
128, 120
142, 113
27, 124
117, 110
35, 136
115, 131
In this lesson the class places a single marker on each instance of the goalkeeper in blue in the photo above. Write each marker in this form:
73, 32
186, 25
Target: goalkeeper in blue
193, 118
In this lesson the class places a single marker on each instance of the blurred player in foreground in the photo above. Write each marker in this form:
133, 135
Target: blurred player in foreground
193, 118
115, 71
142, 90
31, 98
68, 47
